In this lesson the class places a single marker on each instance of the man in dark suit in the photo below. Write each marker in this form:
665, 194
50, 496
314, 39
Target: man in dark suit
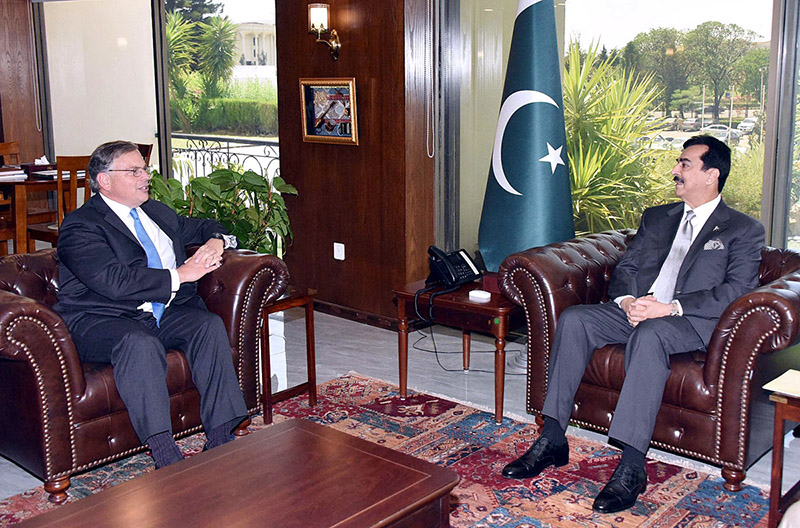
687, 263
127, 293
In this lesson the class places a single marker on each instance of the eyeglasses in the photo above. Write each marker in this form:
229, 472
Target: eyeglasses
135, 172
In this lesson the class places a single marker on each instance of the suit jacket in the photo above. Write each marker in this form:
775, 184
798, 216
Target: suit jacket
720, 265
103, 268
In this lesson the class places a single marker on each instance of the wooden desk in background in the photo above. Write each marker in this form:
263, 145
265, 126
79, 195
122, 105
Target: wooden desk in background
18, 192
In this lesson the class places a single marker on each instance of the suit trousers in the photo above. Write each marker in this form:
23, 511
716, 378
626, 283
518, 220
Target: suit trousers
582, 329
136, 348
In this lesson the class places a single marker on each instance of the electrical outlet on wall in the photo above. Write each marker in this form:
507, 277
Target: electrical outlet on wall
338, 251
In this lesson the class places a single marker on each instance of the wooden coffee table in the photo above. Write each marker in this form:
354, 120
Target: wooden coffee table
295, 474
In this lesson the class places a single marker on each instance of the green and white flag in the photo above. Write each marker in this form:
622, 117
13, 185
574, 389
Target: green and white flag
528, 201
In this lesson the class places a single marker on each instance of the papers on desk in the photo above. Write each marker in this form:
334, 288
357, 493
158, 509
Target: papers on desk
52, 174
12, 174
787, 383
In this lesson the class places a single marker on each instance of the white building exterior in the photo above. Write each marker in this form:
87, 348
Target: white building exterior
255, 43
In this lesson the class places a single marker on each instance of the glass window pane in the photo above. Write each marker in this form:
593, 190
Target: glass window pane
692, 67
222, 85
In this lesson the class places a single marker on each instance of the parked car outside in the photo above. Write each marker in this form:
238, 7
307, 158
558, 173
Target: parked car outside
747, 125
690, 124
723, 133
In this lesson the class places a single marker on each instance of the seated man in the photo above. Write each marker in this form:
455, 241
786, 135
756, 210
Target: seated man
127, 293
687, 263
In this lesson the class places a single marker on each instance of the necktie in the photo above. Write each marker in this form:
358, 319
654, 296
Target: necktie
153, 260
668, 276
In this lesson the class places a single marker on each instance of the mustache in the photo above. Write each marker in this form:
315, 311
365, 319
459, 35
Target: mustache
678, 179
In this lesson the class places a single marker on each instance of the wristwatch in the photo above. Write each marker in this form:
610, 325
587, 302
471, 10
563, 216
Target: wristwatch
228, 241
674, 308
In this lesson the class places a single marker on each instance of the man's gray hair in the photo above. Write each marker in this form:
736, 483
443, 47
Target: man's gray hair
103, 156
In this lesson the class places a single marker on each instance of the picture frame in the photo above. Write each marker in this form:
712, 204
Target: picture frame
328, 110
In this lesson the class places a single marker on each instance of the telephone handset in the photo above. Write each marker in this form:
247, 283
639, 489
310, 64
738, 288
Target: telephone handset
451, 269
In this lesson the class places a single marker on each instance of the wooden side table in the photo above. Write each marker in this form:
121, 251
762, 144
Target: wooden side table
786, 408
496, 317
292, 298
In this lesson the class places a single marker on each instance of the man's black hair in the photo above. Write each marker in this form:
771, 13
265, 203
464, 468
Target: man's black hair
718, 156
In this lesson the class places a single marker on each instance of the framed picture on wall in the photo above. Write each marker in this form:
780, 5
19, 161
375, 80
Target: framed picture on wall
329, 110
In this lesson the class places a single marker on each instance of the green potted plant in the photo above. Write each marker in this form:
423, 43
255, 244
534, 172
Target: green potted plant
248, 204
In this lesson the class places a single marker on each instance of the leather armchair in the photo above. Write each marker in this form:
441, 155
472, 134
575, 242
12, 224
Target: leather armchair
60, 416
713, 409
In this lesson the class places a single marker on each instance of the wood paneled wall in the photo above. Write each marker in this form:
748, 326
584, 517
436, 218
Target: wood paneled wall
17, 79
375, 198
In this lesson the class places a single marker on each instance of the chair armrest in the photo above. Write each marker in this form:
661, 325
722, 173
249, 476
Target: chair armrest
41, 373
236, 292
762, 321
547, 280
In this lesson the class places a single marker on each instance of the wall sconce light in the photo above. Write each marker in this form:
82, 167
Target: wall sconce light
318, 24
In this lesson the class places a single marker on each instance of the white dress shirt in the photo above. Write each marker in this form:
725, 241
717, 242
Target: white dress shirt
163, 243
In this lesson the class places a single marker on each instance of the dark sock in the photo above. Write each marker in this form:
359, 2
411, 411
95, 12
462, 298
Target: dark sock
632, 456
164, 450
552, 431
221, 434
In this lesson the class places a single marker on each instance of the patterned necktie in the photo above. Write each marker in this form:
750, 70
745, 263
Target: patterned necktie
668, 276
153, 260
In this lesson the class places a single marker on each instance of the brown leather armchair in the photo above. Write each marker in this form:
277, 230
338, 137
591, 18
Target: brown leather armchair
59, 416
713, 408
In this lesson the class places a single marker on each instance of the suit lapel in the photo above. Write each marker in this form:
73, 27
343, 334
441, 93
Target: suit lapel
111, 217
667, 230
716, 224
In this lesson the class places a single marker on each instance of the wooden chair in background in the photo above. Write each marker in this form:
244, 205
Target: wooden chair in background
8, 150
69, 165
145, 149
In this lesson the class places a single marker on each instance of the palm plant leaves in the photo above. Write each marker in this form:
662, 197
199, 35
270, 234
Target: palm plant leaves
605, 112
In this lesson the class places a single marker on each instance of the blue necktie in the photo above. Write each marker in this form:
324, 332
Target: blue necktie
153, 260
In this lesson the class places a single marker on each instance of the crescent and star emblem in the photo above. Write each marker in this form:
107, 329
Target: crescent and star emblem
510, 106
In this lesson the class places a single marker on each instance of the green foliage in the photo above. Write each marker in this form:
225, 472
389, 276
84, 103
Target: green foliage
193, 10
715, 49
253, 89
743, 187
613, 177
246, 203
661, 52
750, 69
217, 53
238, 116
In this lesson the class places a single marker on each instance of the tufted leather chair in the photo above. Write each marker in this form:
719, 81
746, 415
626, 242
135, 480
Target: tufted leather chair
59, 416
713, 408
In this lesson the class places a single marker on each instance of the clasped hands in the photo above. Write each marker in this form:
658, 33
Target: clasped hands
643, 308
207, 258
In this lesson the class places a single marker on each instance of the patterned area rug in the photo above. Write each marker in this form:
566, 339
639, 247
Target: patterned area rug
469, 442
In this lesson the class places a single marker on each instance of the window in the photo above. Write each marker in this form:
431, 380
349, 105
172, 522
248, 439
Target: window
700, 65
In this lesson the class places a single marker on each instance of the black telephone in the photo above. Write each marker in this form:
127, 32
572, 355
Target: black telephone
451, 269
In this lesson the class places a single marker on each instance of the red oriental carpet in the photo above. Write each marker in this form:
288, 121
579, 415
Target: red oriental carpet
468, 441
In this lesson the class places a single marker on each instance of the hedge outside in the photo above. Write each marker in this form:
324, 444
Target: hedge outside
245, 117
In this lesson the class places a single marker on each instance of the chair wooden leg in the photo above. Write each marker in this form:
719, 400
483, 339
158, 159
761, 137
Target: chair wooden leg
733, 479
57, 489
242, 430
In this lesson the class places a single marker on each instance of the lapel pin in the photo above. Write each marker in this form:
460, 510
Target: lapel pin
716, 228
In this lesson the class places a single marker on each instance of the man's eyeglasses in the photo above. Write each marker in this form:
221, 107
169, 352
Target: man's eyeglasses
135, 172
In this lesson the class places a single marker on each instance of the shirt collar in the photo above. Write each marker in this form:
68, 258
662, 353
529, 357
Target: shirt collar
703, 212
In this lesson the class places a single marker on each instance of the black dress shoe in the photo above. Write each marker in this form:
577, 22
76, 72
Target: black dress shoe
543, 453
620, 493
